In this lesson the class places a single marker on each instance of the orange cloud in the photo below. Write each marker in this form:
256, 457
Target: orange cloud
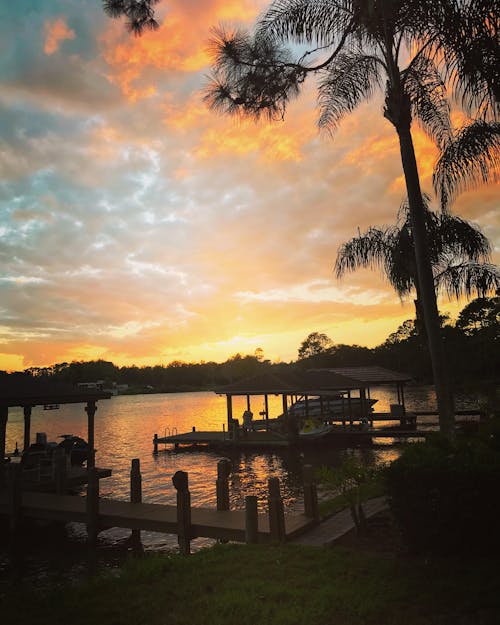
179, 45
56, 32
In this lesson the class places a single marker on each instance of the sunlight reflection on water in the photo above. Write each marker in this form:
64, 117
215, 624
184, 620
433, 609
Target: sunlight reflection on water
124, 428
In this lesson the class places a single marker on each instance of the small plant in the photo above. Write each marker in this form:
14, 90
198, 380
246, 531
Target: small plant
353, 481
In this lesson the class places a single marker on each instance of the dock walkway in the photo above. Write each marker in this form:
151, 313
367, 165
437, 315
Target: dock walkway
336, 526
182, 519
205, 522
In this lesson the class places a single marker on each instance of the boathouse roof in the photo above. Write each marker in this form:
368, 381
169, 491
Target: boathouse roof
25, 390
370, 375
313, 382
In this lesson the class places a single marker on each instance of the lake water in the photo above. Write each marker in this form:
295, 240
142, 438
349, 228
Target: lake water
124, 429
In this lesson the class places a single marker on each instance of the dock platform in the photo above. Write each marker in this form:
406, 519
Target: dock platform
182, 519
351, 432
272, 440
205, 522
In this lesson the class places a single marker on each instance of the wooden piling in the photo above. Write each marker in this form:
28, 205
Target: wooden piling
311, 508
155, 444
276, 510
222, 483
91, 409
4, 415
92, 506
251, 519
135, 497
181, 482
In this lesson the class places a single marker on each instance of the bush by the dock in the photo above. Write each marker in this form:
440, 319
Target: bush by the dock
444, 496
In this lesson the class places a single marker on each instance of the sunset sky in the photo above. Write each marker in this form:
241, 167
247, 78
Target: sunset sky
139, 227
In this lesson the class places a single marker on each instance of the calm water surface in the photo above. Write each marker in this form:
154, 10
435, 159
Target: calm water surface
124, 428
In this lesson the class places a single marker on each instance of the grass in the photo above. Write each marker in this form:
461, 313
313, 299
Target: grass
271, 585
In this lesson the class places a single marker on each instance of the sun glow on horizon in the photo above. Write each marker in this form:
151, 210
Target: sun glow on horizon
140, 227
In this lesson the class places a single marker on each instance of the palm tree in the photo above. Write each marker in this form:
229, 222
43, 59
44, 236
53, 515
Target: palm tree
458, 250
361, 46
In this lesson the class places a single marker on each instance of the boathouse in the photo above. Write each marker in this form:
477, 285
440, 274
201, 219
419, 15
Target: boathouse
26, 392
348, 384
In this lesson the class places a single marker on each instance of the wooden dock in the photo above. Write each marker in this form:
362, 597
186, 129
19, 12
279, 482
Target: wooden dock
272, 440
187, 522
351, 432
205, 522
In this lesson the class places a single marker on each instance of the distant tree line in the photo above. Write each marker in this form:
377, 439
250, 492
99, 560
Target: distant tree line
472, 347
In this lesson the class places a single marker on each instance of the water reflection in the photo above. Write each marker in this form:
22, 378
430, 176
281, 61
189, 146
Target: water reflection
124, 429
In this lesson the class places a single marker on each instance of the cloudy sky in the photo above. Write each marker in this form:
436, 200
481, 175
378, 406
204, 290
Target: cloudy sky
139, 227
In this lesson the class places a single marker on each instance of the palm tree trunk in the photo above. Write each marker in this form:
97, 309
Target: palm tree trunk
426, 282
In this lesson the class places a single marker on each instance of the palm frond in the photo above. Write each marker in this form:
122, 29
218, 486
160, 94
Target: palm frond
316, 22
462, 239
468, 278
472, 157
381, 249
465, 37
368, 250
351, 78
427, 91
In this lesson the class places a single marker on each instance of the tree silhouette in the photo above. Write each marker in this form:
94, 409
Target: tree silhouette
139, 13
361, 47
458, 251
314, 344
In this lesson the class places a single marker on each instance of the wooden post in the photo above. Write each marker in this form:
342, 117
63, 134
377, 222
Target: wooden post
222, 483
285, 404
92, 506
90, 409
181, 483
251, 519
276, 510
14, 496
60, 463
266, 410
155, 444
135, 496
311, 508
229, 402
27, 427
4, 415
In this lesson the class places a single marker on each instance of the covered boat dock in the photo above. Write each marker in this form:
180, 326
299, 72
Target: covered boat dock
351, 386
26, 392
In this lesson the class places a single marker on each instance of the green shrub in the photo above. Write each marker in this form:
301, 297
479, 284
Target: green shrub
446, 498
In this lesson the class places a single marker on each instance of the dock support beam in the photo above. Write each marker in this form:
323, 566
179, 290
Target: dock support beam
222, 483
229, 403
155, 444
4, 415
27, 427
311, 508
90, 409
181, 483
276, 511
251, 519
135, 497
